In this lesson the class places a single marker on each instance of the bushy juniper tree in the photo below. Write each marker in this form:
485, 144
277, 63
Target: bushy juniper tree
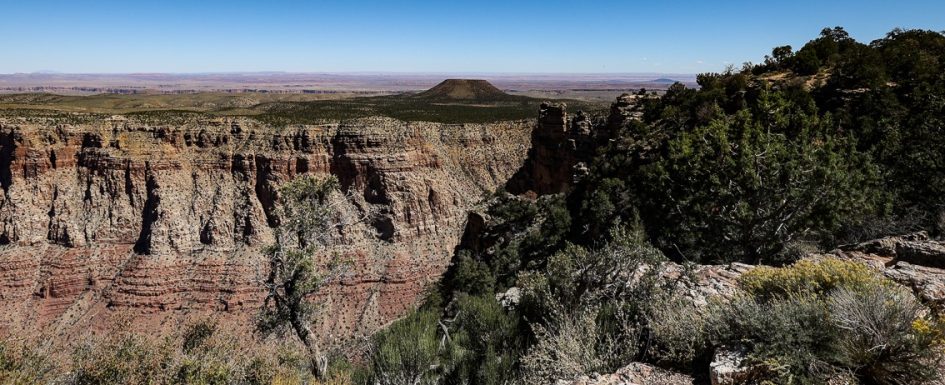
307, 221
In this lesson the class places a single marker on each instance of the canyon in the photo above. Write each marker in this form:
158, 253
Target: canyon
124, 218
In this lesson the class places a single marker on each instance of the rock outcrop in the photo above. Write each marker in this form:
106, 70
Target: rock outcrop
633, 374
727, 368
160, 222
561, 148
912, 260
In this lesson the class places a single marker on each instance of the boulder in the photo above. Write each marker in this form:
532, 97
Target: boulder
727, 368
510, 298
912, 260
633, 374
924, 253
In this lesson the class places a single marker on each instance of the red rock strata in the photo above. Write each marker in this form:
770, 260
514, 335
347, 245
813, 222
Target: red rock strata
158, 222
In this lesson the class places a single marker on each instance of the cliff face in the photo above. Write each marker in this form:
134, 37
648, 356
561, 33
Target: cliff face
119, 218
563, 145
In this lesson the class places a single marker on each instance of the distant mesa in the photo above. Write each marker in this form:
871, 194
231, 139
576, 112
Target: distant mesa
473, 90
663, 81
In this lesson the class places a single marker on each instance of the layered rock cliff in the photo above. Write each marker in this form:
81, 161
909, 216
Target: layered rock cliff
563, 145
122, 218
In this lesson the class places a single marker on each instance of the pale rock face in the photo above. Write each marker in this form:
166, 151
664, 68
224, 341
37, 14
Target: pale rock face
121, 218
633, 374
727, 369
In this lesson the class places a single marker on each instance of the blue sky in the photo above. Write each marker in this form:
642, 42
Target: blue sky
427, 36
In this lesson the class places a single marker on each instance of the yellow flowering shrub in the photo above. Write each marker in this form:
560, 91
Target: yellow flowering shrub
810, 277
930, 329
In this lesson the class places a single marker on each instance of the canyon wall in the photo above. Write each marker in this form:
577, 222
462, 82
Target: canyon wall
158, 223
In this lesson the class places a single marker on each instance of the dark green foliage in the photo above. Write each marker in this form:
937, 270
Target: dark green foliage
520, 235
806, 62
471, 275
609, 195
781, 54
491, 337
889, 96
731, 172
578, 277
408, 352
476, 341
197, 334
403, 108
860, 67
858, 155
741, 187
823, 51
406, 108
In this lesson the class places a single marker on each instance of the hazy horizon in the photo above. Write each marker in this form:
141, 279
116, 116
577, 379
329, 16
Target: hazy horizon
177, 37
500, 73
280, 81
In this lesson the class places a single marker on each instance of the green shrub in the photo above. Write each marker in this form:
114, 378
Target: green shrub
486, 340
197, 334
782, 337
204, 372
205, 356
22, 366
571, 345
884, 337
588, 305
817, 319
471, 275
679, 332
876, 334
809, 323
280, 366
124, 358
502, 249
577, 276
407, 352
806, 62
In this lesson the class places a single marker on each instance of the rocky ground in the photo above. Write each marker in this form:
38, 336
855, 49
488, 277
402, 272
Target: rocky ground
912, 260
